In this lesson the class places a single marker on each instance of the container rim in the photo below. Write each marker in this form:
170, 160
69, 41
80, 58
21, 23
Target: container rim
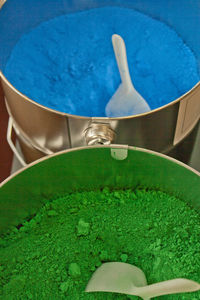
3, 78
112, 146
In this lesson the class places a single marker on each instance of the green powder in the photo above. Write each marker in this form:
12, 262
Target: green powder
53, 255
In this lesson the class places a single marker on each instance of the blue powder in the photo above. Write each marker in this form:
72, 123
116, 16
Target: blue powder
68, 63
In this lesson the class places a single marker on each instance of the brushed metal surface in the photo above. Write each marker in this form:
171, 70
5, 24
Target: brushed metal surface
45, 128
50, 129
29, 153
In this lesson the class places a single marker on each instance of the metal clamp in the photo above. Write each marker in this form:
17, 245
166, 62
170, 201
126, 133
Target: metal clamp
11, 144
99, 133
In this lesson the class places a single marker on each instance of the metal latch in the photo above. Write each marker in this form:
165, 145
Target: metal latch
99, 133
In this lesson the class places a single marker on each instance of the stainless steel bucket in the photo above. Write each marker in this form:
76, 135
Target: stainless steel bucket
90, 168
49, 131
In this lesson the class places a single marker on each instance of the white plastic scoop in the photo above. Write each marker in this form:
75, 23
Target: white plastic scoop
126, 100
124, 278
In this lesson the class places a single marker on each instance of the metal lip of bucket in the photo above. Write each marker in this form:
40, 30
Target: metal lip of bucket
113, 146
97, 118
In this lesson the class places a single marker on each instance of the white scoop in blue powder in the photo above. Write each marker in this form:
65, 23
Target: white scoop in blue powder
68, 63
126, 100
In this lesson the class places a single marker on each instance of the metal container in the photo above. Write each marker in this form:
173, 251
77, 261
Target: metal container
90, 168
49, 131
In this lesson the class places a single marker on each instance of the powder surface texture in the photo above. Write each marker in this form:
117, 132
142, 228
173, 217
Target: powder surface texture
68, 63
53, 255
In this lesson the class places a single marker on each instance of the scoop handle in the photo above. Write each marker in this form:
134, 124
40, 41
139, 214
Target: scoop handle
121, 58
179, 285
